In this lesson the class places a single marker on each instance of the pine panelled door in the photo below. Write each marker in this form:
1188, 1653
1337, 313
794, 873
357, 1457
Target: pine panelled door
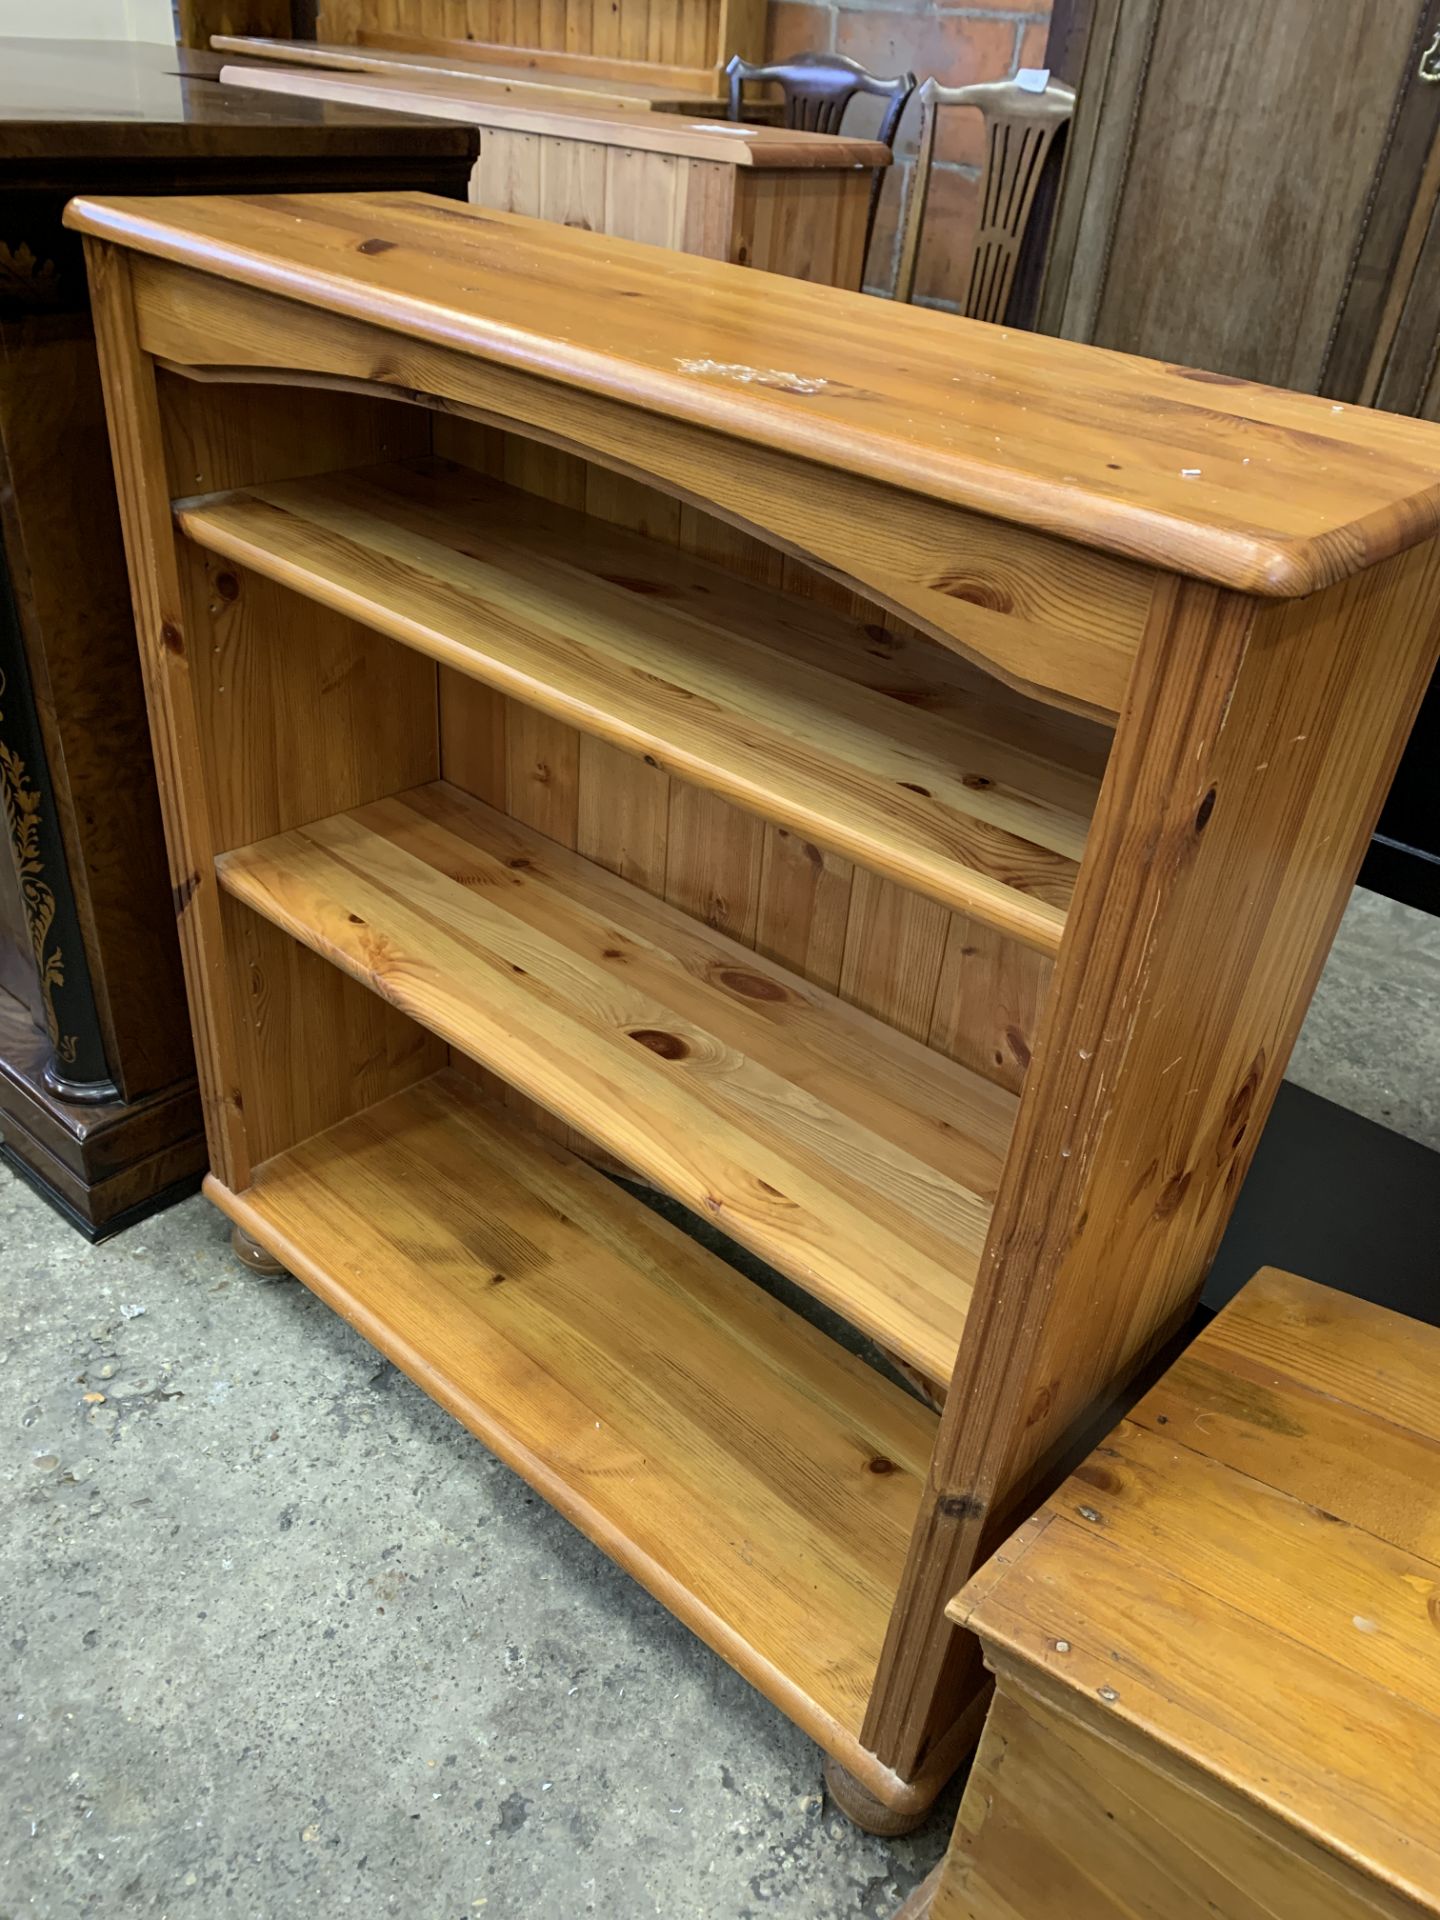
886, 782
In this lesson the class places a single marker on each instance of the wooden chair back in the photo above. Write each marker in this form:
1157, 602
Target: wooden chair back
816, 89
1021, 126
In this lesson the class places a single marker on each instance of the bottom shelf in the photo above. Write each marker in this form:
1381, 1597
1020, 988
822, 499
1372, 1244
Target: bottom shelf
758, 1479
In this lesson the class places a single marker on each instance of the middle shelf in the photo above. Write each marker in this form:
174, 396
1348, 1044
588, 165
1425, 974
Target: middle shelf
779, 704
856, 1160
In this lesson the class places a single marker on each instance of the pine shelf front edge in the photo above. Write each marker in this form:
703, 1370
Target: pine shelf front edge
718, 680
854, 1159
757, 1479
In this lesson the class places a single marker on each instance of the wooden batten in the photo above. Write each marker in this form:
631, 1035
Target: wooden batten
399, 86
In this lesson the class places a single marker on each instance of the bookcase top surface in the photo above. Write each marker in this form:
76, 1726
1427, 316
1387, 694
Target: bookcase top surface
1251, 487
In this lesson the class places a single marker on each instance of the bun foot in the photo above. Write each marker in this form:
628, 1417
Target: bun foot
253, 1257
859, 1805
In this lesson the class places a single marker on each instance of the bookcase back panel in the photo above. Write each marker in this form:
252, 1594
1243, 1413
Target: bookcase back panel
290, 1005
234, 433
936, 974
306, 711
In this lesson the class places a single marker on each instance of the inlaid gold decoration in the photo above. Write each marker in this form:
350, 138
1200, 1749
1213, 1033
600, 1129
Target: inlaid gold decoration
26, 280
22, 817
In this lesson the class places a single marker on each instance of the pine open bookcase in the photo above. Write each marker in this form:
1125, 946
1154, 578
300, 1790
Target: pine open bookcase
887, 783
634, 53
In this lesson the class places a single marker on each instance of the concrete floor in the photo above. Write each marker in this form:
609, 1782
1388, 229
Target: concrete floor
1371, 1040
283, 1640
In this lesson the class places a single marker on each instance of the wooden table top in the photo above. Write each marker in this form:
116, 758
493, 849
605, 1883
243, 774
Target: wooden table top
371, 59
1248, 1572
1269, 492
727, 142
92, 100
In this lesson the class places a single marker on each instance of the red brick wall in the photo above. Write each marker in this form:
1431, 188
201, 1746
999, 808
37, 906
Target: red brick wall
954, 43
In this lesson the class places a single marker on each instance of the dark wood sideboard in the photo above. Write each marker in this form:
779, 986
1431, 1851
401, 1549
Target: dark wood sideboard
98, 1106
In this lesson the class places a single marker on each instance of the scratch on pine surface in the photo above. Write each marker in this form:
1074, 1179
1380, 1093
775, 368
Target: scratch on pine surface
744, 376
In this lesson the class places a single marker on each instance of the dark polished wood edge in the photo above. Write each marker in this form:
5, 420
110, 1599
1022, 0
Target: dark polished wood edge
96, 1164
99, 1224
327, 170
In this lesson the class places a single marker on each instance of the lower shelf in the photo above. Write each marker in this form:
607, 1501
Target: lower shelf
756, 1478
860, 1163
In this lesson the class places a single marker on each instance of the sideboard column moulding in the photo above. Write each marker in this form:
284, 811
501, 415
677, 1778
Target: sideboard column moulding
888, 782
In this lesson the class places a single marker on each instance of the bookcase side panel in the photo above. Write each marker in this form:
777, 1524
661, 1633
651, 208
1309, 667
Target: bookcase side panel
138, 451
1248, 769
313, 1046
264, 712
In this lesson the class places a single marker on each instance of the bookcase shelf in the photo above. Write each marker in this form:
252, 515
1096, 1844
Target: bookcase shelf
729, 684
541, 603
861, 1164
756, 1478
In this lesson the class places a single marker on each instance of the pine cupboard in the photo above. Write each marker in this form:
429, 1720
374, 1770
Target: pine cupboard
886, 781
1215, 1686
